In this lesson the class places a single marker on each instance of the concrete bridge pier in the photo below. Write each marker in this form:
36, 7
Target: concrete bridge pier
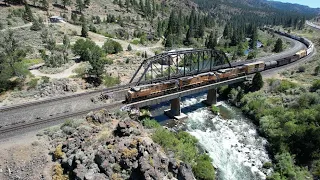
175, 110
211, 97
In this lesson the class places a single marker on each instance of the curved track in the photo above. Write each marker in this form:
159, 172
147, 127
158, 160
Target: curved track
33, 114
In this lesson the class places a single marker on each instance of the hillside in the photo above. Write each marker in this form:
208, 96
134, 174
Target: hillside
293, 7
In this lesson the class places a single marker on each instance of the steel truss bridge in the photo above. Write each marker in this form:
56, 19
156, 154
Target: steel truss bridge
176, 64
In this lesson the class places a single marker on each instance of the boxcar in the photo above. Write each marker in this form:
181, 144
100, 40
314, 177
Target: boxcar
254, 67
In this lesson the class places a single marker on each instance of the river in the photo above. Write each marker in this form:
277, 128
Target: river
230, 139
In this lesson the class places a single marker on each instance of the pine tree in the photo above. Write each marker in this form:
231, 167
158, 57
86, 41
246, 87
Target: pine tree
65, 3
257, 82
129, 48
84, 30
79, 5
141, 6
86, 3
27, 13
254, 38
169, 40
66, 46
159, 28
44, 4
212, 41
36, 26
278, 47
127, 3
187, 40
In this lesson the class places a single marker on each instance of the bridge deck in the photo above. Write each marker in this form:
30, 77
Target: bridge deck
167, 97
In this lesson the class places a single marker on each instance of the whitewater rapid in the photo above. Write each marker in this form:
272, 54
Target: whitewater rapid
238, 152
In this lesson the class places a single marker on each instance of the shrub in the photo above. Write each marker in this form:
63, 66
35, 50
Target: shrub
285, 85
267, 165
33, 83
129, 153
127, 61
317, 70
58, 154
108, 35
150, 123
135, 41
129, 48
109, 81
301, 69
315, 85
215, 109
203, 168
58, 173
112, 47
45, 79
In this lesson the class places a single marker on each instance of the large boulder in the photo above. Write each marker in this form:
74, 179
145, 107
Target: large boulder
185, 172
98, 117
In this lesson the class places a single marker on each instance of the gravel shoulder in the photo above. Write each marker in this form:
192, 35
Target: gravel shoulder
25, 158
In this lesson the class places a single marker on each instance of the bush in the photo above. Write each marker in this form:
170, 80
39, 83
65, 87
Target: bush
110, 81
129, 48
315, 85
203, 168
150, 123
301, 69
58, 154
112, 47
267, 165
215, 109
135, 41
45, 79
58, 173
33, 83
285, 85
317, 70
107, 61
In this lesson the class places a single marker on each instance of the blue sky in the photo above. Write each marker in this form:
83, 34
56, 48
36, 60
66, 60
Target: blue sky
311, 3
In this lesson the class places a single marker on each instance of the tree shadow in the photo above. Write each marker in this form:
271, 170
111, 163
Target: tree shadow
93, 80
59, 6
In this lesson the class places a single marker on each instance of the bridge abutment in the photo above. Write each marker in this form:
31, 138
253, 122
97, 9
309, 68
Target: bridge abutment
175, 110
211, 97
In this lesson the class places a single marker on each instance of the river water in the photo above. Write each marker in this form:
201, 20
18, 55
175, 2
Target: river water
230, 139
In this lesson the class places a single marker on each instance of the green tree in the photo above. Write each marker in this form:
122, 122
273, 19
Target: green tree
44, 5
252, 55
257, 82
86, 3
212, 42
66, 46
112, 47
80, 48
80, 5
36, 26
278, 47
254, 38
11, 55
129, 48
66, 3
27, 13
317, 70
74, 17
84, 30
169, 41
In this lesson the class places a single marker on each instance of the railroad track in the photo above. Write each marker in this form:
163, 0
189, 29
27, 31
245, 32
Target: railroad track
15, 128
107, 90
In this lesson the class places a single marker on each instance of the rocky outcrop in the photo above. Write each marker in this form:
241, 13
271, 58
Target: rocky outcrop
118, 150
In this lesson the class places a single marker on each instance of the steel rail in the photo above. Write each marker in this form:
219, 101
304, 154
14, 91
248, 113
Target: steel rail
56, 118
107, 90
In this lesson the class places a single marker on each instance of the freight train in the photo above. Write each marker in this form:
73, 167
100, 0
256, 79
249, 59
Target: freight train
153, 90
